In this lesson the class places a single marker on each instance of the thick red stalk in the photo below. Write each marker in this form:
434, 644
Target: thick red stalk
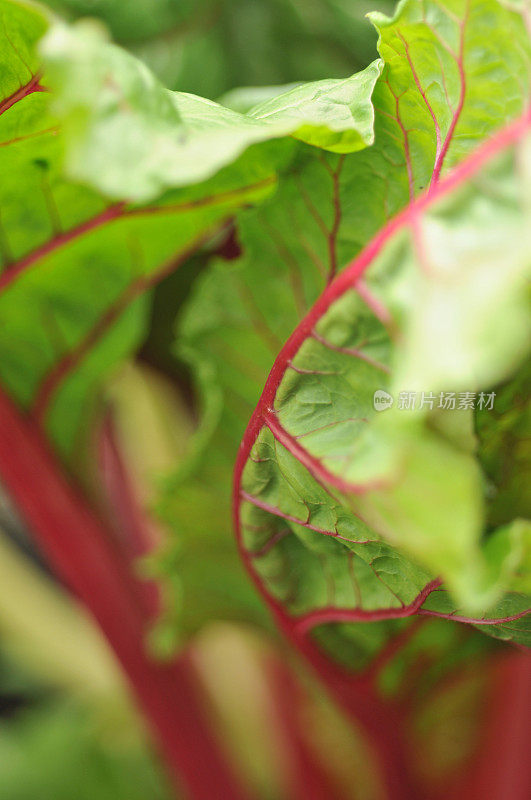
80, 549
132, 523
308, 778
378, 719
502, 768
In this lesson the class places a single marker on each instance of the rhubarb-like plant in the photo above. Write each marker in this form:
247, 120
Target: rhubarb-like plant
366, 254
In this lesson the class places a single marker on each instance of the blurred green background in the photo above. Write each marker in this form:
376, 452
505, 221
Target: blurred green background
210, 46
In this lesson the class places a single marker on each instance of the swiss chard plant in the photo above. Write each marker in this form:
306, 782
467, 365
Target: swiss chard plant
358, 317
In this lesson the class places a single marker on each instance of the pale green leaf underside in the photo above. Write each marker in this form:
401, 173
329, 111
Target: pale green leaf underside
116, 114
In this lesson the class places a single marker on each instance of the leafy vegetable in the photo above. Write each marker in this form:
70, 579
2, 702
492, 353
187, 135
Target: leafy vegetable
364, 241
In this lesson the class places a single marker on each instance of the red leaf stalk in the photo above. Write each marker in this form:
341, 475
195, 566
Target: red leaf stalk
81, 550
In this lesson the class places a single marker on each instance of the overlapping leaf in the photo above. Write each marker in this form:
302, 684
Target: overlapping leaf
115, 113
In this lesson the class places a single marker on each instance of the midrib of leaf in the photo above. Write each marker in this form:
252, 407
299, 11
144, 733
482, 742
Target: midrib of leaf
113, 213
33, 85
459, 58
51, 382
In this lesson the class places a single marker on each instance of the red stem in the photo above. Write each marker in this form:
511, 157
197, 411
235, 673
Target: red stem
132, 522
80, 549
308, 778
502, 768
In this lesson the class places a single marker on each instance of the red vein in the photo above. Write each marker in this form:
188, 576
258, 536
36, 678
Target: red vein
305, 371
475, 620
439, 162
72, 358
277, 512
32, 86
12, 271
321, 616
27, 136
332, 424
375, 305
351, 351
332, 236
384, 583
423, 95
405, 136
316, 468
268, 546
111, 214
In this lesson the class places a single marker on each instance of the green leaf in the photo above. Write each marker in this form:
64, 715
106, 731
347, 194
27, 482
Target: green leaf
44, 751
23, 24
115, 113
335, 115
